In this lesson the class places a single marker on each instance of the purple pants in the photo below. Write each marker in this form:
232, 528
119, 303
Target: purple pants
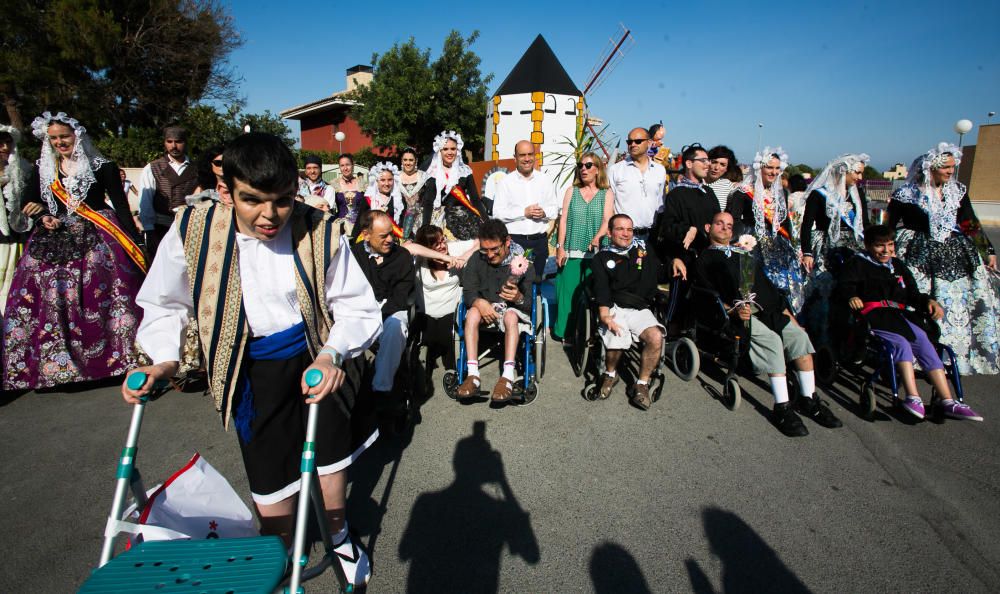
903, 350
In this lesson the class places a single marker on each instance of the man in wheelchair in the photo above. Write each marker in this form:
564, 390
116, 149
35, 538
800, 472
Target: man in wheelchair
624, 277
774, 333
497, 290
390, 271
881, 288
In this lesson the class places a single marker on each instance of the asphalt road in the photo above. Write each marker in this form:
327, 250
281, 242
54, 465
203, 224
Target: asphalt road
567, 495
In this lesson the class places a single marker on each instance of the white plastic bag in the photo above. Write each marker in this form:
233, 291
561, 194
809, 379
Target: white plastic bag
196, 502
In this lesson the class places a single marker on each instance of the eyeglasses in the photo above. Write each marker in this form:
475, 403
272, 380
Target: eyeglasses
636, 140
587, 165
486, 251
700, 160
217, 162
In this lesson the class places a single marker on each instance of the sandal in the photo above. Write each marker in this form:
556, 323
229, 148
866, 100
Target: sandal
502, 392
469, 387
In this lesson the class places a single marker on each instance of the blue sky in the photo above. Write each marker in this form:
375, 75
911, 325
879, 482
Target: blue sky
886, 78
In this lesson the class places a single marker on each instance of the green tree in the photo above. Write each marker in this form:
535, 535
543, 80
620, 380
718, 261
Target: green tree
871, 173
115, 64
411, 100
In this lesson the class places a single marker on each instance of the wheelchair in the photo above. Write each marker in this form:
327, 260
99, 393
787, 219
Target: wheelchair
531, 359
725, 341
859, 348
587, 353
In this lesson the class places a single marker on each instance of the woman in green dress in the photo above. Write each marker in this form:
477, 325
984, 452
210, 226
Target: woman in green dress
588, 205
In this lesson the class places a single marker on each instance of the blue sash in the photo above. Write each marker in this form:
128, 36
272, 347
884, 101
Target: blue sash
279, 346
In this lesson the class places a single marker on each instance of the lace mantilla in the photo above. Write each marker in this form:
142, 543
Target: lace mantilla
80, 166
446, 178
841, 200
753, 185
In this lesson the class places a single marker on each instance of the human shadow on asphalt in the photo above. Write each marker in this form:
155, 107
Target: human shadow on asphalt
455, 537
748, 563
613, 569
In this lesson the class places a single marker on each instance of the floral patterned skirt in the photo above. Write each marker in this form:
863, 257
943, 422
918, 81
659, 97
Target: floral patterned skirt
71, 313
821, 282
953, 273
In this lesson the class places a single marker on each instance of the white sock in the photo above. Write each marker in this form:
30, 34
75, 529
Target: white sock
779, 387
474, 369
641, 382
807, 383
508, 370
611, 373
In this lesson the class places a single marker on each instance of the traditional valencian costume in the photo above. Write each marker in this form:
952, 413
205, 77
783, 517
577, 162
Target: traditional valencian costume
348, 194
838, 214
264, 311
763, 213
946, 249
449, 198
14, 174
412, 216
70, 315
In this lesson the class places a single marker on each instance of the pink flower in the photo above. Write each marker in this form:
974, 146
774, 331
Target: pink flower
519, 265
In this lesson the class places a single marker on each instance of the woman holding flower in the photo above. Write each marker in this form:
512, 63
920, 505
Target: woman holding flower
586, 209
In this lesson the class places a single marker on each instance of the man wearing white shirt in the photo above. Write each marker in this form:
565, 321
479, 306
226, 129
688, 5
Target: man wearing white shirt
277, 295
638, 183
163, 185
526, 202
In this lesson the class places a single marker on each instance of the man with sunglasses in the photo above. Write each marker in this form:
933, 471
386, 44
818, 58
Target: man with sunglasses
495, 297
163, 185
526, 202
688, 208
638, 183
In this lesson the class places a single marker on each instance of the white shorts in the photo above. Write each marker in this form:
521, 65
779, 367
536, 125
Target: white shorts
632, 323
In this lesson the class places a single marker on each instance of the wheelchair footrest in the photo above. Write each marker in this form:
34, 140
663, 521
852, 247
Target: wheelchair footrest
254, 564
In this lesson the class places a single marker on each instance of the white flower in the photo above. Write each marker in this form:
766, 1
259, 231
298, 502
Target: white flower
747, 242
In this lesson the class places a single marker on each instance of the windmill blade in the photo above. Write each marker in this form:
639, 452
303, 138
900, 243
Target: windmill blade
613, 53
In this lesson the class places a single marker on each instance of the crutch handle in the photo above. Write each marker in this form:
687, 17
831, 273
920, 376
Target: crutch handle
137, 380
313, 377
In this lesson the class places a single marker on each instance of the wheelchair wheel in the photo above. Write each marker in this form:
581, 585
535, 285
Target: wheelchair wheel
732, 394
530, 393
590, 392
867, 399
826, 365
451, 384
684, 358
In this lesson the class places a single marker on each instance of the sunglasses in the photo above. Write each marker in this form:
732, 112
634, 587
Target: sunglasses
587, 165
636, 140
217, 162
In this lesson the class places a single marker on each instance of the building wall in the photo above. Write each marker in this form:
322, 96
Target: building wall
318, 131
984, 183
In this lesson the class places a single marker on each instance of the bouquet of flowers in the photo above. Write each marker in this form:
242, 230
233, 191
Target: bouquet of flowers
518, 266
746, 283
746, 242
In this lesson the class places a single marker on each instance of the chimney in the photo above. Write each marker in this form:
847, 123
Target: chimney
358, 75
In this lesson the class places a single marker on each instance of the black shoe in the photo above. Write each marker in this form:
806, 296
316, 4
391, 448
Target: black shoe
789, 423
818, 411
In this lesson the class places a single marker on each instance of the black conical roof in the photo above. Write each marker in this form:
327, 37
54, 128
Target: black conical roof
538, 70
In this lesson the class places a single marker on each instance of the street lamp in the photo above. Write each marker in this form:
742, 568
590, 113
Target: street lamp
989, 117
340, 136
760, 131
962, 127
246, 129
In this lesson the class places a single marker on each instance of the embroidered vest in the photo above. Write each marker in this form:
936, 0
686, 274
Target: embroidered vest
171, 188
209, 238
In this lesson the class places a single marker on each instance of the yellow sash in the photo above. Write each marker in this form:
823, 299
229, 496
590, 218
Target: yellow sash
104, 224
459, 195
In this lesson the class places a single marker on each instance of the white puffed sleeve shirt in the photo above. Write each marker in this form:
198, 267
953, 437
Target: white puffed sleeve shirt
267, 277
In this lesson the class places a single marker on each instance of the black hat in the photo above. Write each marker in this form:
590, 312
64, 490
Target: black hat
313, 160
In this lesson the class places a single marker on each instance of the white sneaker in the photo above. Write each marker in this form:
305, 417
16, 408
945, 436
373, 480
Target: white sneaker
354, 562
